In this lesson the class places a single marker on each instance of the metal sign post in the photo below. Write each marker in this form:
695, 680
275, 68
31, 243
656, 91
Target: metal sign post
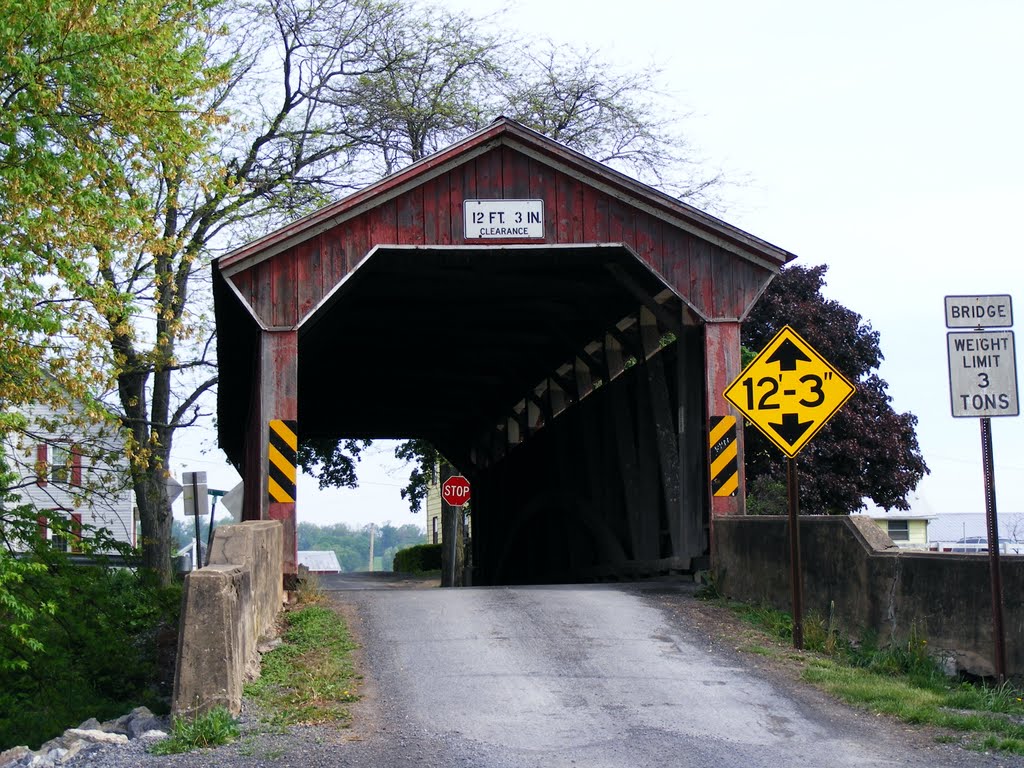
196, 503
789, 392
983, 384
998, 632
795, 569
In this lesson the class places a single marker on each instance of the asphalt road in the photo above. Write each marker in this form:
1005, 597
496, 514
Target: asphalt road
596, 676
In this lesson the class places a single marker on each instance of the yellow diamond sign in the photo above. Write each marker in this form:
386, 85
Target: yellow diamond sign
789, 391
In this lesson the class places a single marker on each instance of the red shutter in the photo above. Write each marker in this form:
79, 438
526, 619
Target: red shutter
43, 525
76, 466
41, 465
76, 531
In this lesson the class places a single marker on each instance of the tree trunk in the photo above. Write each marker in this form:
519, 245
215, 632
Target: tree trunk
155, 515
149, 463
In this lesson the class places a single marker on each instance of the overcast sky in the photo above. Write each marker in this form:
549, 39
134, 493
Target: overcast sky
883, 139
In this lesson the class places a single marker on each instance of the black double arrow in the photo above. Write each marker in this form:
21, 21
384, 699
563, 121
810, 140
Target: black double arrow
787, 355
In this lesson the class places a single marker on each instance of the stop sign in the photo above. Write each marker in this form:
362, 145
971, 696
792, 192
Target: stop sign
455, 491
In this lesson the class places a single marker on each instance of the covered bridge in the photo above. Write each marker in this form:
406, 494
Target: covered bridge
560, 332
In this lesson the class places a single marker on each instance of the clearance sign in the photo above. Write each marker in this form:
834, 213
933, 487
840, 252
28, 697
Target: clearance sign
789, 391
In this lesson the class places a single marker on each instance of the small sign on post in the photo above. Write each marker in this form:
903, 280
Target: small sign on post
194, 493
983, 384
789, 392
982, 373
455, 491
979, 311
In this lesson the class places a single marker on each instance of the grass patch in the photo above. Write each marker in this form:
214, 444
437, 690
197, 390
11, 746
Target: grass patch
759, 650
212, 729
902, 681
309, 678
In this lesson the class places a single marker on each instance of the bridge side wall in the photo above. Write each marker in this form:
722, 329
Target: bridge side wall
225, 609
855, 571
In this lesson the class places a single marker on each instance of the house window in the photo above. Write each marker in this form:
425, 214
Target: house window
433, 522
66, 536
61, 463
899, 530
76, 532
66, 467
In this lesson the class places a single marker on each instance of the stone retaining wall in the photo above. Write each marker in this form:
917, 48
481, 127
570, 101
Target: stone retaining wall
226, 608
855, 571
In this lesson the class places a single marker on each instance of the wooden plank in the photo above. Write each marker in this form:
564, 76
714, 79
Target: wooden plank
309, 276
462, 187
702, 276
693, 486
244, 283
333, 258
722, 366
675, 261
724, 279
665, 436
621, 223
542, 187
595, 216
649, 488
409, 213
647, 240
516, 175
356, 242
489, 184
614, 360
279, 363
263, 301
382, 223
569, 204
437, 224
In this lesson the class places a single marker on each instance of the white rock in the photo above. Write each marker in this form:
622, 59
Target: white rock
154, 735
96, 737
13, 755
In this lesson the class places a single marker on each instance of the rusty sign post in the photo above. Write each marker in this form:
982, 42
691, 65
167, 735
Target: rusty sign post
789, 392
983, 384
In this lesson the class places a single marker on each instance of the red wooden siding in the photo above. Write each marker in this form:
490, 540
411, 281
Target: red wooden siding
288, 286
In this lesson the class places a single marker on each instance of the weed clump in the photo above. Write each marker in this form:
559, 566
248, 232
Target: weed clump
211, 729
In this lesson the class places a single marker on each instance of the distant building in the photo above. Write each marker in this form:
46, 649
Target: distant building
433, 507
72, 470
908, 530
317, 561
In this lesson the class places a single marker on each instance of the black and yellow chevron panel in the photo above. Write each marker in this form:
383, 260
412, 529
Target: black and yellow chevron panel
281, 460
725, 478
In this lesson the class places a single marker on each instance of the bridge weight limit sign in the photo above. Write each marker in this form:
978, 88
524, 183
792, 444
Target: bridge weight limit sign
983, 384
789, 392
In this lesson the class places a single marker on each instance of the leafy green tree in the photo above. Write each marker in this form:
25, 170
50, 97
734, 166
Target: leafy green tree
95, 98
867, 450
425, 461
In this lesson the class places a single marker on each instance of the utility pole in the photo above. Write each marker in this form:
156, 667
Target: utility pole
373, 529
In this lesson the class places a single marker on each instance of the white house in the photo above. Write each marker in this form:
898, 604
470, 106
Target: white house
68, 467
